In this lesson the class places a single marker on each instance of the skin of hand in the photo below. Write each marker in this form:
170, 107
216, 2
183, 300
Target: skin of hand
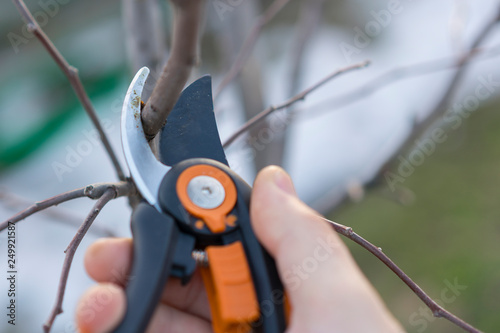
325, 287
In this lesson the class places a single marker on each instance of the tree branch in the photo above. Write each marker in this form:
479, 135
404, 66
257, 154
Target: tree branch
183, 56
249, 44
263, 114
437, 310
16, 203
94, 191
74, 79
108, 195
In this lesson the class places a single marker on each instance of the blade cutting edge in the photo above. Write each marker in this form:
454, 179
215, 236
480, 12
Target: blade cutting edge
146, 171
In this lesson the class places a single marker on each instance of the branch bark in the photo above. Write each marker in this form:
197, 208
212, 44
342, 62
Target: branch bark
108, 195
437, 310
183, 56
74, 79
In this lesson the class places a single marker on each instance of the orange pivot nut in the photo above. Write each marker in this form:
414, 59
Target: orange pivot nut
230, 289
214, 217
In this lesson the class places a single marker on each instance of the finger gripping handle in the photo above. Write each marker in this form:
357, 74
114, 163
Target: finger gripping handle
155, 236
268, 286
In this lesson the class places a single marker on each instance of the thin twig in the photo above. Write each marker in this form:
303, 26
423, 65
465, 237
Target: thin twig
249, 44
73, 77
57, 214
263, 114
187, 19
94, 191
107, 196
437, 310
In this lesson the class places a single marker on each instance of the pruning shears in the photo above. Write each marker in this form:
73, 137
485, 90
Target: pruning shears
194, 206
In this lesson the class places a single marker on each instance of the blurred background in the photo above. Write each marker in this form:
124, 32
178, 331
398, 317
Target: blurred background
433, 209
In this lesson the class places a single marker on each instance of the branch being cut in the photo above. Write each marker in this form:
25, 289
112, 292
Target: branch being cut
249, 44
263, 114
437, 310
94, 191
187, 19
74, 79
108, 195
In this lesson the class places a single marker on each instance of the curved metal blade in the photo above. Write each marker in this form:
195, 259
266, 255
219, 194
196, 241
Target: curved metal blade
146, 171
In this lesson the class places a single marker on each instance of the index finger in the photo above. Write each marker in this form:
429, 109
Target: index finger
110, 260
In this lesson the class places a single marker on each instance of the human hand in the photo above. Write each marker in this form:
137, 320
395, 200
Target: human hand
326, 289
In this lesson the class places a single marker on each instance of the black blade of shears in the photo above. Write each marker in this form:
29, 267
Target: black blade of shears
191, 129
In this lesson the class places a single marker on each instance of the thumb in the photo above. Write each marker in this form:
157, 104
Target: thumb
295, 235
314, 265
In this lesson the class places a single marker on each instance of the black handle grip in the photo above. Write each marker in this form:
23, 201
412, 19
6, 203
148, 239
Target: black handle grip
265, 275
155, 237
267, 283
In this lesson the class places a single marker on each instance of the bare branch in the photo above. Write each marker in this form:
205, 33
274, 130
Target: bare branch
183, 56
74, 79
437, 310
107, 196
263, 114
56, 214
249, 44
94, 191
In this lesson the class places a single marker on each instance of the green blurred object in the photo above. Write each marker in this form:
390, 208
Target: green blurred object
13, 150
450, 234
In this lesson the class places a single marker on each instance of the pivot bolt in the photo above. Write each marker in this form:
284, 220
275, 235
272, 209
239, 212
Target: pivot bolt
206, 192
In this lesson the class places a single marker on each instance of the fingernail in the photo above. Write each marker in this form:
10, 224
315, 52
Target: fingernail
283, 181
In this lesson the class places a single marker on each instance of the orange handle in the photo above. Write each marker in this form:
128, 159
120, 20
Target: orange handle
231, 294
